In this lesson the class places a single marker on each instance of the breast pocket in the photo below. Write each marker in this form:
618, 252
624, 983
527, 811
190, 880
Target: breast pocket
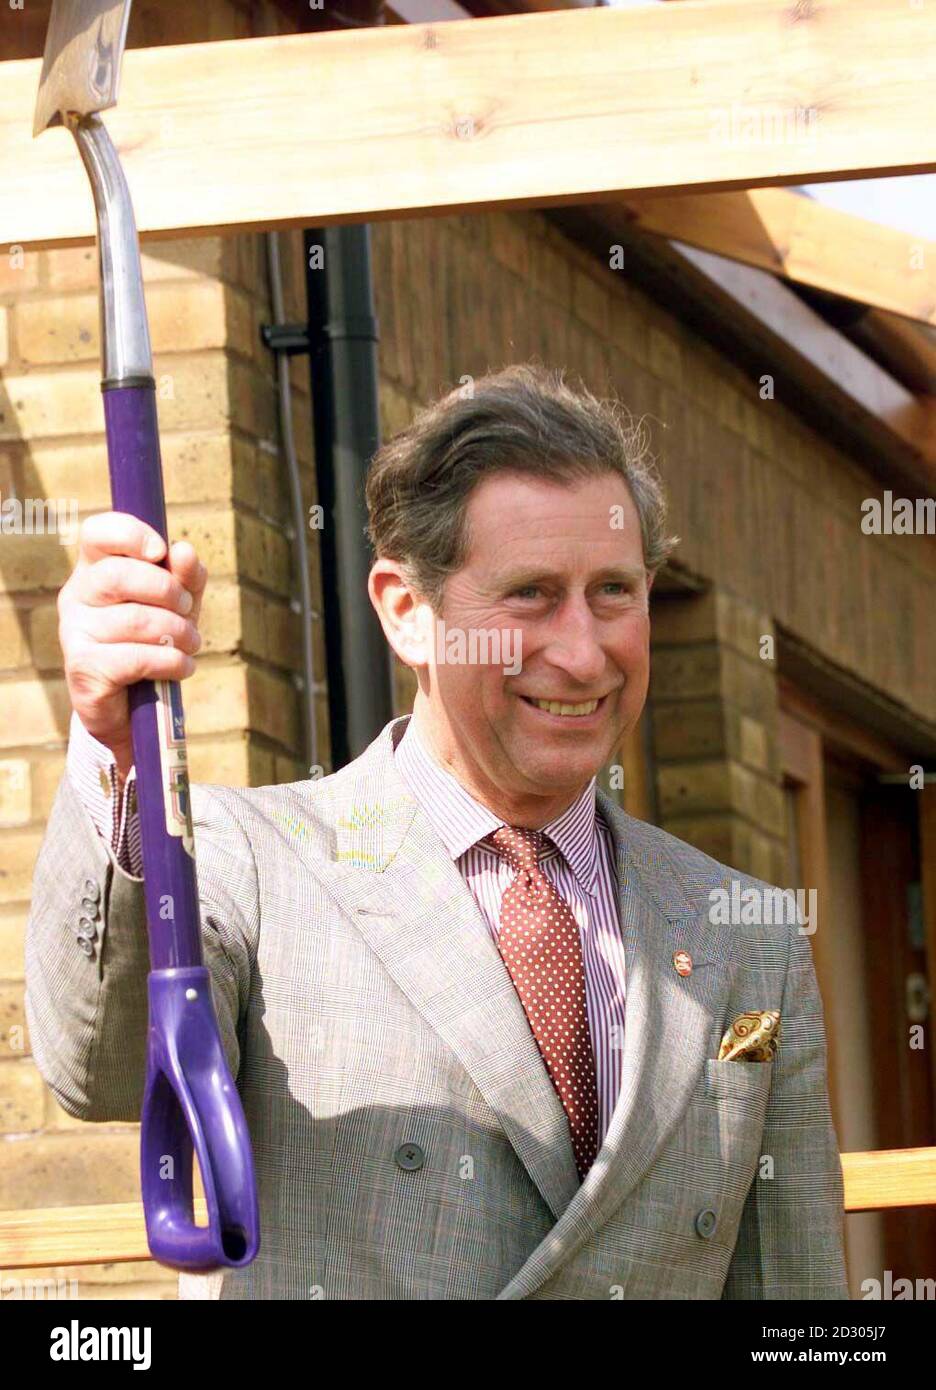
730, 1116
702, 1181
738, 1081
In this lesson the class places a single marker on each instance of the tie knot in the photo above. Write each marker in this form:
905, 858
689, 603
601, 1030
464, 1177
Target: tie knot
522, 848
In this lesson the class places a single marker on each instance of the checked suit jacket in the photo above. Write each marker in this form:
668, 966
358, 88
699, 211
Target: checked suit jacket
407, 1139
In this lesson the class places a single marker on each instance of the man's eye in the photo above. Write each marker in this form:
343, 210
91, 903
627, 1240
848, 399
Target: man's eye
526, 591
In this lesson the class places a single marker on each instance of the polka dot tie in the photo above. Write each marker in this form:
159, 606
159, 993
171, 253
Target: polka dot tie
540, 944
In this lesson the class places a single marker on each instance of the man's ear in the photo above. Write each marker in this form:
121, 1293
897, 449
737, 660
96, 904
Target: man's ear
405, 616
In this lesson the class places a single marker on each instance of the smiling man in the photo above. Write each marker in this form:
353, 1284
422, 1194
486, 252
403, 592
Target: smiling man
489, 1040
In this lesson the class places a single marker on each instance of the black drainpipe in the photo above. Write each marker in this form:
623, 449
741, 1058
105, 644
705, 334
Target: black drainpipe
343, 364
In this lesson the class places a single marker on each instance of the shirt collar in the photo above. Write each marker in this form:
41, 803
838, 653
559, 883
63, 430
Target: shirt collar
460, 821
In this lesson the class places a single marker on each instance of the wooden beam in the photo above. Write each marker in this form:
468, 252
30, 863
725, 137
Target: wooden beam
802, 240
524, 110
889, 1178
112, 1233
42, 1238
758, 321
778, 229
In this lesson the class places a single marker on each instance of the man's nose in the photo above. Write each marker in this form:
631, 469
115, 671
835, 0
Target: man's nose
574, 646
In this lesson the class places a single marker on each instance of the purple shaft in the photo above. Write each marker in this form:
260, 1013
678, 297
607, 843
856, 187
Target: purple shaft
190, 1104
170, 886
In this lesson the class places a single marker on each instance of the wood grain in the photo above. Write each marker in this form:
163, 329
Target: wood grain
514, 111
802, 240
116, 1234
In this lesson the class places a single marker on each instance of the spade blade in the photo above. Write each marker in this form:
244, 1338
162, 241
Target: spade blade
81, 63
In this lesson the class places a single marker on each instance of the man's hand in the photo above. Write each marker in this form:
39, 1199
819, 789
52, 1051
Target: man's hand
125, 617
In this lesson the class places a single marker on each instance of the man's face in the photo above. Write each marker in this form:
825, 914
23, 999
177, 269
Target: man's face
558, 570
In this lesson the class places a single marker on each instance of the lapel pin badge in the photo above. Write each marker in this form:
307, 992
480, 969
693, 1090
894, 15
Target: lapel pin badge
682, 963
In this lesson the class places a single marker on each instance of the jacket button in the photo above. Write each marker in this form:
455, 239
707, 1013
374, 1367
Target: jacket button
92, 890
90, 908
705, 1223
87, 931
410, 1157
86, 945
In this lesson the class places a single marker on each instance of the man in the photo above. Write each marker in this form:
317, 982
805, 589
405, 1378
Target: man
489, 1039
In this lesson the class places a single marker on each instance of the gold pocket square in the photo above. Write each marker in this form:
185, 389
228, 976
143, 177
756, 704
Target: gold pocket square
752, 1037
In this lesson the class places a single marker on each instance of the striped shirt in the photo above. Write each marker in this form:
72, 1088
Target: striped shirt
580, 866
579, 863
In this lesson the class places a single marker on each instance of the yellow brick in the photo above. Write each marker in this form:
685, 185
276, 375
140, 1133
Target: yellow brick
242, 320
44, 645
4, 337
284, 635
33, 711
754, 749
192, 393
75, 1169
35, 562
72, 268
254, 402
188, 259
19, 270
21, 1097
14, 791
689, 788
223, 763
212, 533
302, 428
74, 471
220, 621
184, 318
215, 699
197, 467
37, 531
58, 330
12, 942
53, 403
13, 627
274, 706
244, 462
45, 775
262, 764
14, 1035
264, 553
9, 453
286, 769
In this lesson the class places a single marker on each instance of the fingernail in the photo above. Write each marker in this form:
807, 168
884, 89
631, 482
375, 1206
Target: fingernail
189, 664
185, 602
196, 641
153, 548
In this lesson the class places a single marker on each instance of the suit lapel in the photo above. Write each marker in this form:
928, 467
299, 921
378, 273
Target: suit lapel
668, 1022
393, 877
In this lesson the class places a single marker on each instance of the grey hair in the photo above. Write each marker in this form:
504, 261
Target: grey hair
521, 419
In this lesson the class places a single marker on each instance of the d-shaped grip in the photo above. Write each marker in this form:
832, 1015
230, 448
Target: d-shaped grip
191, 1104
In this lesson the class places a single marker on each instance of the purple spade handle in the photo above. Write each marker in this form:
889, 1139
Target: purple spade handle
190, 1100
